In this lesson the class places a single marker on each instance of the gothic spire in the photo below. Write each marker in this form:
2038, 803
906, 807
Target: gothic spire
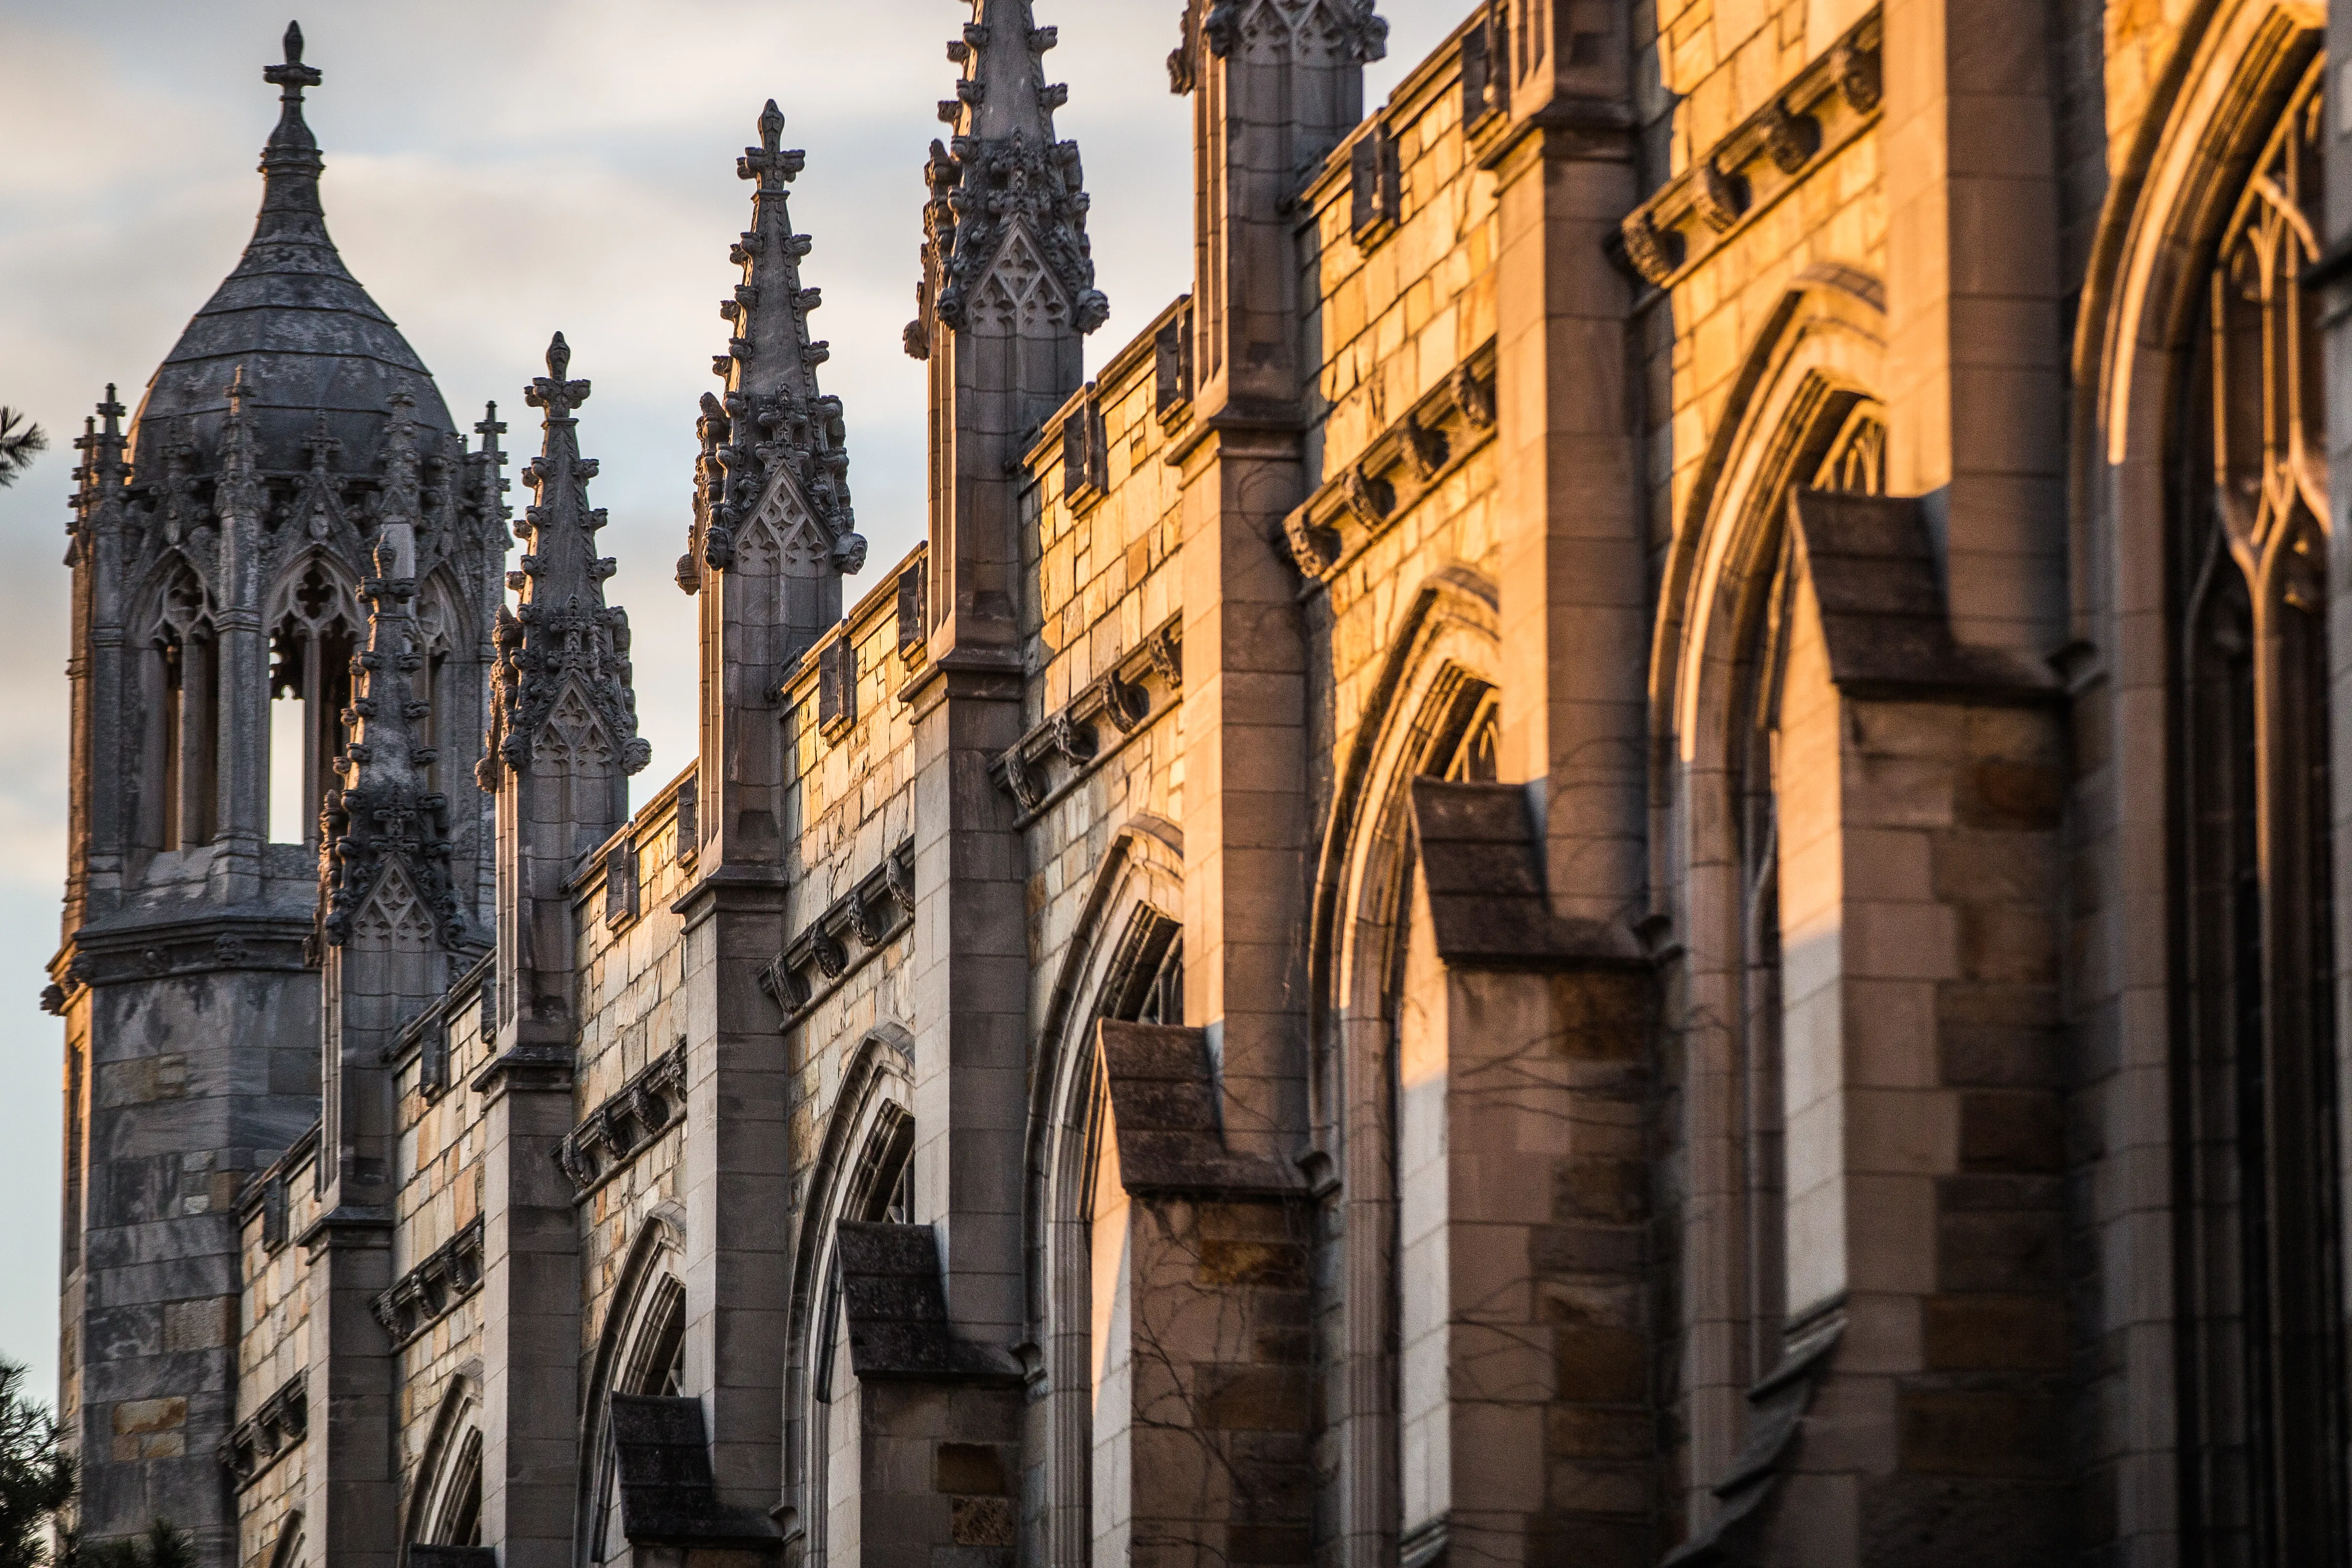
773, 413
238, 493
101, 474
563, 635
290, 166
388, 813
1002, 170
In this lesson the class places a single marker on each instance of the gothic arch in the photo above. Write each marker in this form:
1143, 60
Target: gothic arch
287, 1554
175, 651
1431, 712
444, 1506
1127, 936
642, 1339
1802, 412
1822, 351
2191, 647
863, 1158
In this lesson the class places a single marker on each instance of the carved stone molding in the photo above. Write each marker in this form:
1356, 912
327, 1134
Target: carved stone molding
562, 636
1002, 174
269, 1435
1396, 468
854, 929
1829, 103
449, 1274
100, 958
774, 425
1071, 740
626, 1124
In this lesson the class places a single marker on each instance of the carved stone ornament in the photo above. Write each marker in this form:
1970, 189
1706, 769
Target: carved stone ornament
1473, 397
1363, 34
1719, 197
1125, 703
1653, 252
773, 424
563, 637
1425, 449
387, 814
1314, 547
1000, 173
1856, 71
1790, 139
1369, 497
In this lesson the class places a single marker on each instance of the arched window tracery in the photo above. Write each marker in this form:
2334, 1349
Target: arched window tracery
2263, 1404
313, 626
179, 780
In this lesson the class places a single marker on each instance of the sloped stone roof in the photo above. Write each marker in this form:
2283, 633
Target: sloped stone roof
293, 317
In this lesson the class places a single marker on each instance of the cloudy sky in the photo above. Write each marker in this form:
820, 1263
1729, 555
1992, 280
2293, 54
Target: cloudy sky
496, 172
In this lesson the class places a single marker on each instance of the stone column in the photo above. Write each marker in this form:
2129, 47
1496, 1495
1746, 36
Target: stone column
1574, 586
1976, 341
530, 1315
1006, 297
392, 931
240, 713
1270, 99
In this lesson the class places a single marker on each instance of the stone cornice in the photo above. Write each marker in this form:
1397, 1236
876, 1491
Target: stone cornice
1404, 463
853, 930
610, 1138
1824, 108
449, 1274
1120, 696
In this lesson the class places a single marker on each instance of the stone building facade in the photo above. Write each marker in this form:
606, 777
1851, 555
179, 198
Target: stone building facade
1624, 855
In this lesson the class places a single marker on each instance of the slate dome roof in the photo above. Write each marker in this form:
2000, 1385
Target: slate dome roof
308, 336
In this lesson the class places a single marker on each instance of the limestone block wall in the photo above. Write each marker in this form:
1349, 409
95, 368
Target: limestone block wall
632, 963
273, 1345
1108, 588
1411, 295
1725, 58
852, 810
440, 1170
1697, 342
1102, 540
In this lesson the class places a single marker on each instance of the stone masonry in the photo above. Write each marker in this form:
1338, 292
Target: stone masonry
1624, 855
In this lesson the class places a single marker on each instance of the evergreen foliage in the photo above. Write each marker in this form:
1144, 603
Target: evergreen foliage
36, 1476
19, 440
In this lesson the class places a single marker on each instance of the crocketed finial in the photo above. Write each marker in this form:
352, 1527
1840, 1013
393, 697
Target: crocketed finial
772, 411
561, 637
1002, 170
770, 163
552, 392
292, 148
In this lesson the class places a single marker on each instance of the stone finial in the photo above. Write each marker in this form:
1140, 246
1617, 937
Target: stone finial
238, 493
563, 635
1000, 169
101, 474
386, 813
774, 417
486, 482
291, 146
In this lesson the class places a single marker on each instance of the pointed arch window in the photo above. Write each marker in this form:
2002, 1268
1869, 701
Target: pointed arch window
179, 780
655, 1364
314, 633
2263, 1401
1846, 452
